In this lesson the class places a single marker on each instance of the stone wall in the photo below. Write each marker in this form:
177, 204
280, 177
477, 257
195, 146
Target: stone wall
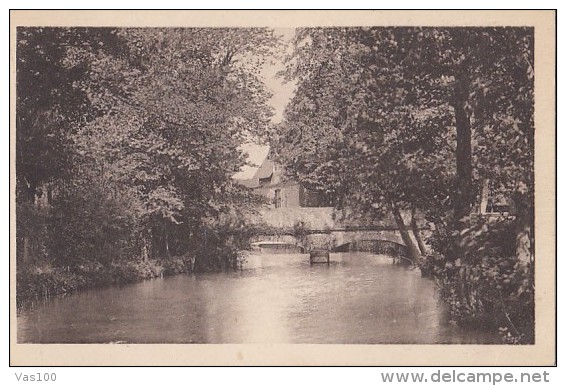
321, 218
336, 239
313, 218
327, 228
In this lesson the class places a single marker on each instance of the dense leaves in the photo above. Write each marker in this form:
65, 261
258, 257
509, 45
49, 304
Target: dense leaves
127, 141
386, 119
50, 64
135, 134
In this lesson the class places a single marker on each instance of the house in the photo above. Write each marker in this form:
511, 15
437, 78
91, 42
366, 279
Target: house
289, 202
281, 193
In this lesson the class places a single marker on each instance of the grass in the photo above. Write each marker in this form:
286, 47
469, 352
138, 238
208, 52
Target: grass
35, 282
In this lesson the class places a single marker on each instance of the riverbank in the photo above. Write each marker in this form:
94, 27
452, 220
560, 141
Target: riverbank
35, 282
276, 299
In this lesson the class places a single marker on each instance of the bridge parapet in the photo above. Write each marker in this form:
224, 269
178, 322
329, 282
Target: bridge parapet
326, 228
386, 241
312, 218
325, 218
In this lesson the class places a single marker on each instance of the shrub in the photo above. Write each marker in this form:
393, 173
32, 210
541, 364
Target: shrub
483, 281
220, 245
133, 271
34, 284
175, 265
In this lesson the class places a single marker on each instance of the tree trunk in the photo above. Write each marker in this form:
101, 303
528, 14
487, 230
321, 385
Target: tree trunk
464, 192
524, 234
25, 248
523, 242
414, 254
167, 255
415, 229
145, 248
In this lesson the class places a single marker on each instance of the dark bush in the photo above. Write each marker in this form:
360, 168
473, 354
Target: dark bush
483, 281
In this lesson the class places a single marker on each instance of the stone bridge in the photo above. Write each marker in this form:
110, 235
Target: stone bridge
378, 240
318, 228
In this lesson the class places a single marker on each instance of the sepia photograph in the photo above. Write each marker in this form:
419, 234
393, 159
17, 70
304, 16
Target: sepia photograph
293, 182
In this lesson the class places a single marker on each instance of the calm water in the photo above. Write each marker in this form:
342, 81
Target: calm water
280, 298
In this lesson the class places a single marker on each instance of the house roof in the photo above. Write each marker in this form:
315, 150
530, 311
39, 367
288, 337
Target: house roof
284, 184
265, 170
249, 183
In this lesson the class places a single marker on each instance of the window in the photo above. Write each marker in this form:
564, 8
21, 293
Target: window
277, 199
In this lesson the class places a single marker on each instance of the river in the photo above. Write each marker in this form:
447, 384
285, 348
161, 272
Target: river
275, 298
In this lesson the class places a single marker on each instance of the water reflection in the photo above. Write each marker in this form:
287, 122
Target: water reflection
280, 298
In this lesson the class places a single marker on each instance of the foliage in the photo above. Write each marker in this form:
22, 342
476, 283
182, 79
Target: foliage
36, 283
89, 222
132, 271
381, 102
221, 243
50, 63
300, 232
487, 284
127, 141
137, 134
386, 119
177, 265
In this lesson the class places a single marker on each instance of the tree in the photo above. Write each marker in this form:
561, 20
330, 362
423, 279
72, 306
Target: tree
417, 118
342, 128
406, 101
198, 95
49, 107
160, 115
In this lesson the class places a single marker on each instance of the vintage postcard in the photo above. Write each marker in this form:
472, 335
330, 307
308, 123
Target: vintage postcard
283, 188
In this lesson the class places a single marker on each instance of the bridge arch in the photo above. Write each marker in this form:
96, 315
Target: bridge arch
381, 241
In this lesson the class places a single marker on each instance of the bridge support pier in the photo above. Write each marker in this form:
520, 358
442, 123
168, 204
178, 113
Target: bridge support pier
319, 256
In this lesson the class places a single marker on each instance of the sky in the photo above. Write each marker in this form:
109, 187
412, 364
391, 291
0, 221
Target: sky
282, 93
